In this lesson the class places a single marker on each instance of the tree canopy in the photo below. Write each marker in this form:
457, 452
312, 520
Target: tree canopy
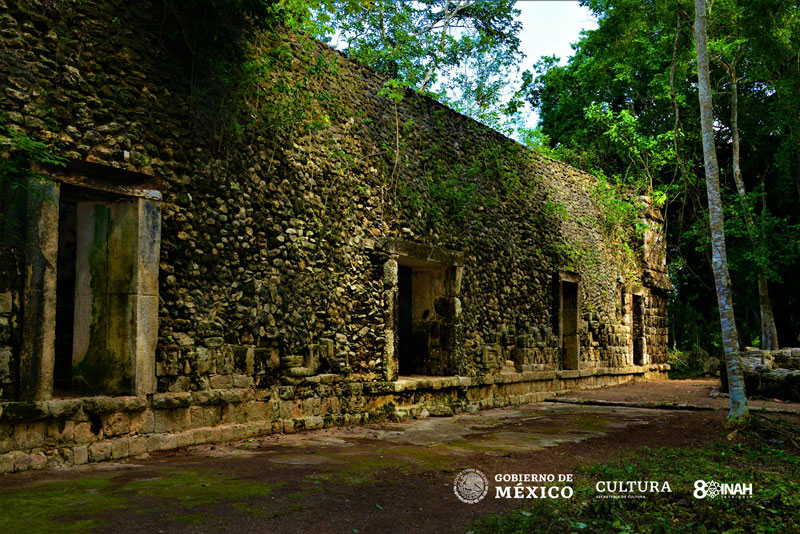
626, 105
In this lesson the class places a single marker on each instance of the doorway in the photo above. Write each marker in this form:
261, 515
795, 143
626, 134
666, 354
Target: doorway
405, 330
65, 295
569, 311
639, 341
425, 318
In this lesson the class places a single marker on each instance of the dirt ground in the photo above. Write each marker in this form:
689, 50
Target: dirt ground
385, 477
692, 391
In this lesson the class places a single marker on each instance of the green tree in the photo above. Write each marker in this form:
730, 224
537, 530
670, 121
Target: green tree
461, 52
730, 51
730, 339
639, 68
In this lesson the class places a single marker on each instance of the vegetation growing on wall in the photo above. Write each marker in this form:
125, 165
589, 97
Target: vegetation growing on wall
19, 155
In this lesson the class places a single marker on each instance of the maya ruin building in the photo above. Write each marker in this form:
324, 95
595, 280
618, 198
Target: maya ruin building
184, 272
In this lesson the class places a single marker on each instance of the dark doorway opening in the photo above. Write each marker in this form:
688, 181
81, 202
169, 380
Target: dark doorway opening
569, 325
426, 318
405, 327
638, 330
65, 295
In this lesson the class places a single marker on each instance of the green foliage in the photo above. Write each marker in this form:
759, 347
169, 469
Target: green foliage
19, 154
461, 52
647, 154
619, 214
452, 199
452, 190
687, 364
632, 74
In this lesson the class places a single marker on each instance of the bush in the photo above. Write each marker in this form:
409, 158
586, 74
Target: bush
687, 364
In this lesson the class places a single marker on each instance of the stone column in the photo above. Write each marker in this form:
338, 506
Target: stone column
390, 362
39, 309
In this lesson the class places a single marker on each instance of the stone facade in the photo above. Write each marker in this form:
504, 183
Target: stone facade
367, 258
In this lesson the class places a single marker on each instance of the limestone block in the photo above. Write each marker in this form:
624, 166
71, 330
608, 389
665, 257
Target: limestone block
120, 448
39, 298
6, 438
99, 451
181, 383
314, 356
242, 381
130, 344
61, 431
116, 424
212, 415
83, 433
22, 461
390, 273
142, 423
29, 435
205, 360
134, 226
62, 408
6, 462
165, 401
80, 455
220, 381
38, 351
202, 435
184, 439
197, 416
161, 442
89, 342
91, 249
203, 398
172, 420
137, 445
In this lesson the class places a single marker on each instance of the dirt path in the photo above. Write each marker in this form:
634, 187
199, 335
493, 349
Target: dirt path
693, 391
389, 477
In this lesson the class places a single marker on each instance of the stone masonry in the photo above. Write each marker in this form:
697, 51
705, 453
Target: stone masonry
330, 257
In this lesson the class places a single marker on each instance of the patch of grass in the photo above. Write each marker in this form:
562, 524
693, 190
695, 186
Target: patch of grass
193, 488
366, 467
758, 455
57, 507
79, 505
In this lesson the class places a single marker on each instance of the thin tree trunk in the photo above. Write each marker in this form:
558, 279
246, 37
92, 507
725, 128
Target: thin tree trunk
738, 407
769, 333
770, 317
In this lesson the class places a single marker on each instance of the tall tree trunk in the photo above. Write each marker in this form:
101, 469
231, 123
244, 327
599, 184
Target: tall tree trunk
769, 333
738, 409
765, 291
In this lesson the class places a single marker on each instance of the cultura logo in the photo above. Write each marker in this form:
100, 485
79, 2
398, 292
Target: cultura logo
713, 489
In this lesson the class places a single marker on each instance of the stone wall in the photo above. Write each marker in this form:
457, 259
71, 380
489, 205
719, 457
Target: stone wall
67, 432
280, 230
770, 373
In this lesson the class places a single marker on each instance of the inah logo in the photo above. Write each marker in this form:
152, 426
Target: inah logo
471, 486
713, 489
